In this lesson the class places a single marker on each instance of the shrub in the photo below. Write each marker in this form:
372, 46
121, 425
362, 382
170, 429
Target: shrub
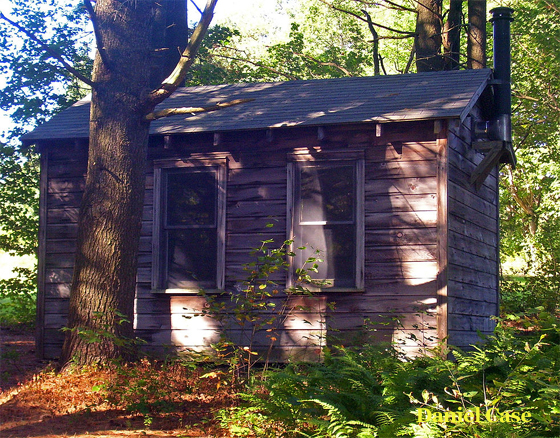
148, 387
18, 297
258, 309
525, 294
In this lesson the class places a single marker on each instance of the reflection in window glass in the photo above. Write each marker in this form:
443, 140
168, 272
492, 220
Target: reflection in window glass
191, 198
326, 210
191, 258
337, 246
327, 193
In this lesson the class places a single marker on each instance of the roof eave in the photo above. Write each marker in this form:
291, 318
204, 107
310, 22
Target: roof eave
475, 98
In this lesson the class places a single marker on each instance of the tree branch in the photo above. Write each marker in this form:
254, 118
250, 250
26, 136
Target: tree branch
197, 8
552, 6
394, 6
554, 103
50, 51
327, 64
400, 7
375, 36
523, 96
524, 204
273, 70
193, 110
178, 75
97, 33
257, 64
410, 34
437, 14
404, 37
410, 59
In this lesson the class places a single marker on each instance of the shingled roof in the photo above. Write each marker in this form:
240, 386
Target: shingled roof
421, 96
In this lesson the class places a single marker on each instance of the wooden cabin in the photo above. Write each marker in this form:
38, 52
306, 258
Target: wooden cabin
383, 174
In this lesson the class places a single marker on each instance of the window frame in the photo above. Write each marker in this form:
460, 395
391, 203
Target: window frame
218, 165
332, 158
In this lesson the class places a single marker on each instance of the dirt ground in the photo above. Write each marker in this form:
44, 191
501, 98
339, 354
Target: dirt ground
17, 357
37, 402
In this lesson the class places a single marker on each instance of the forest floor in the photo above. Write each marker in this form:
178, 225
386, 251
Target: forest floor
176, 400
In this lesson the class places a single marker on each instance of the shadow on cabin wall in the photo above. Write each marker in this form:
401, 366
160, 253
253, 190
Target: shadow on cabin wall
309, 324
399, 299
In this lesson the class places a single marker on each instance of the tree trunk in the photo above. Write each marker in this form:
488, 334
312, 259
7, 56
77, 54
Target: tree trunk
428, 36
170, 36
101, 311
476, 39
103, 285
453, 35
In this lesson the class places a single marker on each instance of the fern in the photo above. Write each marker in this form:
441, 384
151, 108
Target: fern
338, 425
368, 393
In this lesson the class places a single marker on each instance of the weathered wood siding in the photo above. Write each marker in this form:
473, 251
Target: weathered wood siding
402, 230
473, 273
400, 239
63, 168
401, 236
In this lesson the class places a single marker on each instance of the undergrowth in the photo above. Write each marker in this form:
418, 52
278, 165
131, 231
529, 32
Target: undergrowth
509, 385
512, 381
360, 393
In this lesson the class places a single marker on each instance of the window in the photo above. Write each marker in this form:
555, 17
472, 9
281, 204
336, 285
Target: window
189, 224
327, 215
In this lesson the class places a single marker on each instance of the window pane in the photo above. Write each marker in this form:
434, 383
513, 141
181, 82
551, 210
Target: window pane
327, 193
191, 258
337, 244
191, 199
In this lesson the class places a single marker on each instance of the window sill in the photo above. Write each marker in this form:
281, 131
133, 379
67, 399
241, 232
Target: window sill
331, 290
186, 291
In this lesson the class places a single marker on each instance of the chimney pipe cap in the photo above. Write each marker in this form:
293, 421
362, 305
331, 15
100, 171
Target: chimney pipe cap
501, 12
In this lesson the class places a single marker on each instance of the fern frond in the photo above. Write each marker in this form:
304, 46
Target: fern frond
339, 426
383, 418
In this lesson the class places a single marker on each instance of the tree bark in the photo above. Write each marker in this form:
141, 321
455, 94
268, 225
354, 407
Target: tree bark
428, 36
476, 39
452, 40
101, 312
170, 36
103, 283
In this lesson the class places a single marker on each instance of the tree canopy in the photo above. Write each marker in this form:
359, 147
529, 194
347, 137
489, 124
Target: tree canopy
530, 197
